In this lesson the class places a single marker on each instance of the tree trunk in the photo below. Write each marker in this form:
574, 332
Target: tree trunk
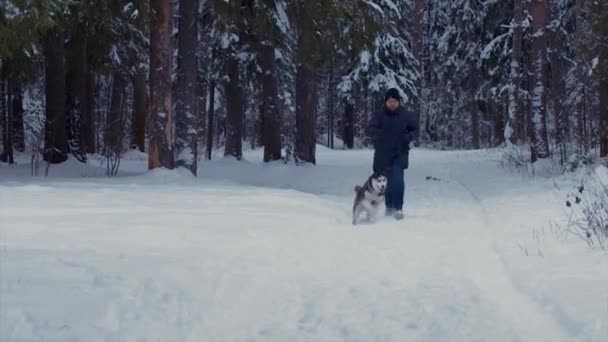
558, 88
113, 129
55, 137
160, 149
271, 116
234, 110
579, 106
418, 35
305, 115
499, 124
201, 110
140, 95
76, 78
331, 105
473, 85
603, 110
515, 121
139, 111
210, 118
185, 116
540, 142
88, 118
7, 120
349, 125
18, 130
604, 113
475, 128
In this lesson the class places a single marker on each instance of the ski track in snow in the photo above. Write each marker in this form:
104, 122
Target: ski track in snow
254, 252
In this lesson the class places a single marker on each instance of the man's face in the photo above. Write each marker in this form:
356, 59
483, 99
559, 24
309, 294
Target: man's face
392, 104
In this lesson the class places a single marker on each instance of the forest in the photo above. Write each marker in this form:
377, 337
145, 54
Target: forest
181, 79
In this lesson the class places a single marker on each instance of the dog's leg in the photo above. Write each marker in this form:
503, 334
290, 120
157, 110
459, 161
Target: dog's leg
356, 213
369, 211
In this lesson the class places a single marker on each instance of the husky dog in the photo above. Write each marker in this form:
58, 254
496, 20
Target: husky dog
369, 197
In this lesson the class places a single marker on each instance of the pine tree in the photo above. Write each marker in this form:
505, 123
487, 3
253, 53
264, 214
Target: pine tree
160, 150
513, 128
56, 139
540, 142
185, 116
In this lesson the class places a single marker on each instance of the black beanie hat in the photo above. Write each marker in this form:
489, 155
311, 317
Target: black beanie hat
392, 93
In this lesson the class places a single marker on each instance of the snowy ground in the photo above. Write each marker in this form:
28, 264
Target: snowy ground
253, 252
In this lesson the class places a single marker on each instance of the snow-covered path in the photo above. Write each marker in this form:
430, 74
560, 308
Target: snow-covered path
252, 252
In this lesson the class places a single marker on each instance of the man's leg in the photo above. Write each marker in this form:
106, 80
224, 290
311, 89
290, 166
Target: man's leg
397, 186
388, 198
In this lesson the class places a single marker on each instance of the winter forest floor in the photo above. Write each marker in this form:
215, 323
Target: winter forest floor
255, 252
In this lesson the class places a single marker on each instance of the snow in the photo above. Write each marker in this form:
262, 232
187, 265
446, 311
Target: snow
280, 17
601, 172
252, 251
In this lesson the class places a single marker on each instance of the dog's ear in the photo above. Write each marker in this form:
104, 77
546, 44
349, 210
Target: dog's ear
357, 188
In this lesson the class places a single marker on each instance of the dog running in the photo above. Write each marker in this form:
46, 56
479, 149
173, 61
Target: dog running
368, 197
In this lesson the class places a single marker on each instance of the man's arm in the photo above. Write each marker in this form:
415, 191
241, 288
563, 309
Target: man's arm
410, 131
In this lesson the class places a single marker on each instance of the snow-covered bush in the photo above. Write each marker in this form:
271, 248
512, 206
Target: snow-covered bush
589, 209
577, 161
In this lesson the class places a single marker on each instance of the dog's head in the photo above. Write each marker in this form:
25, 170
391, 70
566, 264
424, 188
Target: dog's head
378, 182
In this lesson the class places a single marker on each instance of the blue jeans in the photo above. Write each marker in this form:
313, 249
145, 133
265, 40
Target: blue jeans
395, 188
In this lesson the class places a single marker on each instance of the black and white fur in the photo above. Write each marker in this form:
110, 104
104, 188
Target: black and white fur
369, 196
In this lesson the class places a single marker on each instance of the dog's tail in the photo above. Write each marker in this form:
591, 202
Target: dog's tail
358, 188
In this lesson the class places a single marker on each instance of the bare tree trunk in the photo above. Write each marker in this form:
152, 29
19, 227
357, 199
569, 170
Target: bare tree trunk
499, 123
160, 149
185, 116
140, 95
475, 128
514, 127
473, 85
6, 113
113, 129
418, 35
18, 130
604, 114
76, 78
540, 141
139, 111
272, 120
210, 118
331, 104
88, 117
201, 109
558, 88
55, 137
305, 115
579, 107
603, 110
349, 125
234, 103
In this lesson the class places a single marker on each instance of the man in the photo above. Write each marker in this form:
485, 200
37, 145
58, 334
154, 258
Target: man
391, 129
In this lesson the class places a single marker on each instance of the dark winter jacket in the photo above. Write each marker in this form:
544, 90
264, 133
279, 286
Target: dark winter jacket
392, 133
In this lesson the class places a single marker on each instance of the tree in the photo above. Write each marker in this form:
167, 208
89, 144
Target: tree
271, 116
513, 128
160, 148
186, 104
600, 32
309, 46
6, 114
55, 136
140, 98
234, 103
540, 140
418, 50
